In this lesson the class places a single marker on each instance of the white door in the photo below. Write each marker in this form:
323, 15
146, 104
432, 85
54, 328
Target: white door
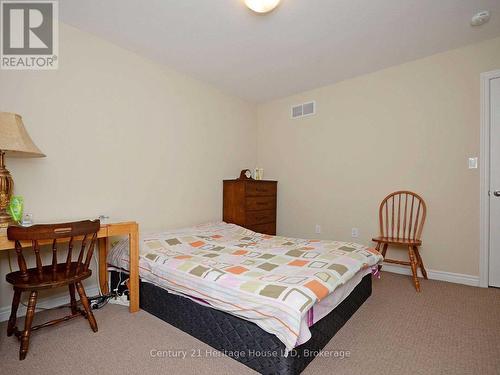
494, 262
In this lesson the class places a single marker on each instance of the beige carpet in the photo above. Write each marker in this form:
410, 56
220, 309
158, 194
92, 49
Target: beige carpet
446, 329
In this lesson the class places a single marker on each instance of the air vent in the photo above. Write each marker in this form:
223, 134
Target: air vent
303, 110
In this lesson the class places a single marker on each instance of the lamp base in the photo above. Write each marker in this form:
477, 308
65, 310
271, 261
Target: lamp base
5, 220
6, 187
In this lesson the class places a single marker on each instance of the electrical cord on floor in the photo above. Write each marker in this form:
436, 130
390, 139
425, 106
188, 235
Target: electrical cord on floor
103, 300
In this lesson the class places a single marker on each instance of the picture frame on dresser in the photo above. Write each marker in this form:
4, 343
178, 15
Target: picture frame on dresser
251, 204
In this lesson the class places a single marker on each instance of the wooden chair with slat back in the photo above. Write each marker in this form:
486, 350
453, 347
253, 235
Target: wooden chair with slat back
55, 275
402, 217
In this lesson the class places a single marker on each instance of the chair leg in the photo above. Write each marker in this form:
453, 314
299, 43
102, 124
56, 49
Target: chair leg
384, 249
72, 297
86, 306
25, 336
420, 262
378, 249
11, 327
414, 265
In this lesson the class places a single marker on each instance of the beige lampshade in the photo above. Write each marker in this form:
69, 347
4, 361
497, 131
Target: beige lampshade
14, 139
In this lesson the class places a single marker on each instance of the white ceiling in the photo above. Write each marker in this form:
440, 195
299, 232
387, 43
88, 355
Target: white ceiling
301, 45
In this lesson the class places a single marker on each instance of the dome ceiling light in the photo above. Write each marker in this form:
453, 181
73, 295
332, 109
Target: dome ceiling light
262, 6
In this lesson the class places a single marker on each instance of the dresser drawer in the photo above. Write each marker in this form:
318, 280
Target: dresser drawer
260, 203
260, 217
269, 228
255, 189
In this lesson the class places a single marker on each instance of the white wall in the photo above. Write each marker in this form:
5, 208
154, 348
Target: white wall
123, 137
412, 126
131, 139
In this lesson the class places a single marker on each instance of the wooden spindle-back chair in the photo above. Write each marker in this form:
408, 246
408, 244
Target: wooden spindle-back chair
401, 218
55, 275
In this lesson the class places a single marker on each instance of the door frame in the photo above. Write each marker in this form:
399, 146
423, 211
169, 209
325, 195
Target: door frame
484, 173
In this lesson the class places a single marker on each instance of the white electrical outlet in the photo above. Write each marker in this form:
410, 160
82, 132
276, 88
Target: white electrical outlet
354, 232
318, 229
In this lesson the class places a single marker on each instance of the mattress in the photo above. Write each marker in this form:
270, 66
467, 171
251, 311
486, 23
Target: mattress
242, 340
283, 285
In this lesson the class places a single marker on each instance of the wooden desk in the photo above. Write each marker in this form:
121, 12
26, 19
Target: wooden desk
130, 229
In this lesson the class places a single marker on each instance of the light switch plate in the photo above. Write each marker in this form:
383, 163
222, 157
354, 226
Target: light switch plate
473, 163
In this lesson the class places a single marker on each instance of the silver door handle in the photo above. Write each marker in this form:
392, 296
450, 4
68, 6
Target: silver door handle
496, 193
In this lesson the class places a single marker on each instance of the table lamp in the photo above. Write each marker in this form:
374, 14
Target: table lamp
14, 141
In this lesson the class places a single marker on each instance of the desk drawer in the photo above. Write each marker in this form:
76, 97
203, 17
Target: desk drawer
269, 228
256, 189
260, 203
260, 217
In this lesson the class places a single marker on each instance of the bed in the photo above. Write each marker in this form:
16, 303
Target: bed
269, 302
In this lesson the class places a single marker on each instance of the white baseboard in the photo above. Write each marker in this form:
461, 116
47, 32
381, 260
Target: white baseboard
451, 277
46, 303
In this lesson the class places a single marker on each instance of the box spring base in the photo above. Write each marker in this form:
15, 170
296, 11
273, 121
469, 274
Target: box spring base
231, 334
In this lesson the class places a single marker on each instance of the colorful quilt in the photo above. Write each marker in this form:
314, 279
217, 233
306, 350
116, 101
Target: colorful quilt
270, 280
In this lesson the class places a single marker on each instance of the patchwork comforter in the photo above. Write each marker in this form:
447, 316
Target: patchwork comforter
272, 281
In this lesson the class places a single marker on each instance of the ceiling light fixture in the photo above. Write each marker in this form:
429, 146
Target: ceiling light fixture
480, 18
262, 6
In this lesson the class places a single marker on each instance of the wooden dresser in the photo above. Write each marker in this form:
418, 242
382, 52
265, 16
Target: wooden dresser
251, 204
